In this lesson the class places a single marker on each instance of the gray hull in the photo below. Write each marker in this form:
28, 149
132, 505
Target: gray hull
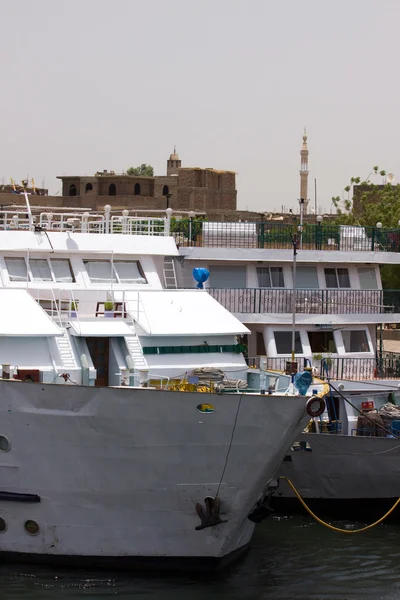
340, 467
119, 471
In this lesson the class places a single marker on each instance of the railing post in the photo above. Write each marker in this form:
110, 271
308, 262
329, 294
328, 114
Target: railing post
167, 228
125, 214
261, 235
107, 211
85, 218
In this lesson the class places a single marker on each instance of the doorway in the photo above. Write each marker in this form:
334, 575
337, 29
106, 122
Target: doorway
99, 349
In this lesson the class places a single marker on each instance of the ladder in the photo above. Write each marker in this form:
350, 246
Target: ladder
66, 352
169, 273
136, 352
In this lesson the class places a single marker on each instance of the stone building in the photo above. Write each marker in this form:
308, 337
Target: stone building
182, 188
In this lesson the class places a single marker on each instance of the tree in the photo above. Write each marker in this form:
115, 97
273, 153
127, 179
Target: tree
144, 170
371, 204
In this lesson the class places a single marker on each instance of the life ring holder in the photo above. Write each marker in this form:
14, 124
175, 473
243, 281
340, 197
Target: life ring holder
315, 406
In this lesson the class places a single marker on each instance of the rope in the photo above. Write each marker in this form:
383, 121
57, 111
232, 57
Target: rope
332, 527
230, 445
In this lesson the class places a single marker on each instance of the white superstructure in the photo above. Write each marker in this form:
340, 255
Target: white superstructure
128, 433
340, 310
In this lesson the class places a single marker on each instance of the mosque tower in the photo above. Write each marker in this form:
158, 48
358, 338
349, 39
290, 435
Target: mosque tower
174, 163
304, 173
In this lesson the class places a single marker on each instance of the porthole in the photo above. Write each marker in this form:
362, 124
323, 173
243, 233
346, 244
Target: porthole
3, 525
4, 444
31, 527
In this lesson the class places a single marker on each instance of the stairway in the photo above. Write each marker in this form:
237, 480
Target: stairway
66, 352
135, 350
169, 273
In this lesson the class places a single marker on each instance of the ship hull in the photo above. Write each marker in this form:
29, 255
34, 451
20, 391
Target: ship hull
113, 475
338, 472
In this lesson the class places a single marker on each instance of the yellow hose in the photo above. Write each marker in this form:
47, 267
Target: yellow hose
332, 526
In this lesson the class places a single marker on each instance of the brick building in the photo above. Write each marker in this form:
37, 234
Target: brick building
182, 188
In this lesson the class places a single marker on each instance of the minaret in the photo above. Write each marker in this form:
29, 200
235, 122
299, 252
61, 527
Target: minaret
304, 173
174, 163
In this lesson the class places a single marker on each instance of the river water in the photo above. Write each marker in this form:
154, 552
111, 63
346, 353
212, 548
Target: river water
292, 558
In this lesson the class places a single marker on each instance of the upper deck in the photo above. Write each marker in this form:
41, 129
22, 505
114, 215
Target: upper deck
191, 233
279, 236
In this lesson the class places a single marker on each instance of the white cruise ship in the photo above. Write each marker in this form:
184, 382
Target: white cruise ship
339, 309
129, 435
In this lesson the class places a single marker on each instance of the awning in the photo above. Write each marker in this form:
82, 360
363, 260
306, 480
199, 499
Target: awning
100, 328
22, 316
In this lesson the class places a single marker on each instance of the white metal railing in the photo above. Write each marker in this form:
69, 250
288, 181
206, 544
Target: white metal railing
86, 222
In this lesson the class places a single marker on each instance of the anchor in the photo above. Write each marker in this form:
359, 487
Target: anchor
210, 516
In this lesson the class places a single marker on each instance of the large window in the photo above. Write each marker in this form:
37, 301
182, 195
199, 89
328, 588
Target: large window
337, 278
120, 271
270, 277
355, 340
367, 277
227, 277
283, 341
322, 341
16, 268
306, 278
40, 269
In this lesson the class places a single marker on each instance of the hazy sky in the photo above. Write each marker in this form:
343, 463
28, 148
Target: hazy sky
106, 84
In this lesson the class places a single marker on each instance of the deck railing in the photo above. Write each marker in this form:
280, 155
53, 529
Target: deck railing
354, 369
328, 301
280, 236
86, 222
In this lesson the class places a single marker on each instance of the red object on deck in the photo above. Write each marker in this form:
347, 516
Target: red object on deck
369, 405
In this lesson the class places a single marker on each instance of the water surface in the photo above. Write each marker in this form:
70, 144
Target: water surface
291, 558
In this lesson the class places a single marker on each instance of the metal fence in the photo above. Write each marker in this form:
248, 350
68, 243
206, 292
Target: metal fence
280, 236
330, 301
355, 369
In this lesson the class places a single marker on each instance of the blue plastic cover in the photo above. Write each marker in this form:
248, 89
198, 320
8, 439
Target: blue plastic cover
201, 275
302, 381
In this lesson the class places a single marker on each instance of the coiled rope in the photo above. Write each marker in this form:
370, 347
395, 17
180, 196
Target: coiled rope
332, 527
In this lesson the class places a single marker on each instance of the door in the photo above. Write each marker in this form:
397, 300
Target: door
99, 352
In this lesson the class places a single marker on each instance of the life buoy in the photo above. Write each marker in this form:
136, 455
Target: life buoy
315, 406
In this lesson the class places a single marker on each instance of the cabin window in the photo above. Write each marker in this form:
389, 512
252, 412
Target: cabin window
120, 271
129, 272
88, 188
112, 190
100, 271
270, 277
227, 277
337, 278
54, 269
72, 189
355, 340
367, 277
306, 278
62, 270
322, 341
136, 189
283, 341
40, 269
16, 268
260, 344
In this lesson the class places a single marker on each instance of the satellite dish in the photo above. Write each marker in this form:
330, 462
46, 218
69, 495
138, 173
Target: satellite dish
390, 178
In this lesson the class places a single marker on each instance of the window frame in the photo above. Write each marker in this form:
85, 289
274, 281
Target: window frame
285, 331
29, 274
115, 272
337, 276
365, 331
270, 287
